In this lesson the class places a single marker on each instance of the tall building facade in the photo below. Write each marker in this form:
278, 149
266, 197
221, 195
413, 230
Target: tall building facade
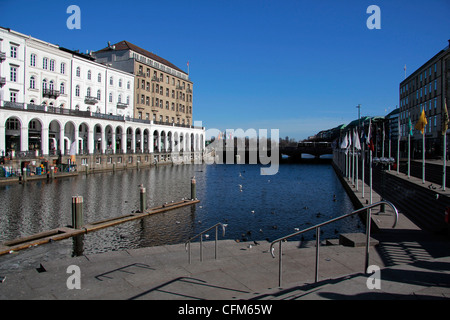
163, 92
427, 88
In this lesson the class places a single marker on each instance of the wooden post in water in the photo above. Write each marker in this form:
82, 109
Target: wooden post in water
24, 174
193, 189
143, 199
77, 212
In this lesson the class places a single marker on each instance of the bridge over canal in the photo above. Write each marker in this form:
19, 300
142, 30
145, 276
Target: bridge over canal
315, 149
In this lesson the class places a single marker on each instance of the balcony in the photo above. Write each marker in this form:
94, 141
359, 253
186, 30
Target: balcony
2, 56
90, 100
156, 79
50, 93
155, 108
2, 81
122, 105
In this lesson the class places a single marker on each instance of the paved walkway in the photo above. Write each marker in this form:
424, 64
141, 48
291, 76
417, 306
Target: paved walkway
414, 265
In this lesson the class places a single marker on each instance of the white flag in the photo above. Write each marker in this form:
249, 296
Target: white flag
356, 140
344, 143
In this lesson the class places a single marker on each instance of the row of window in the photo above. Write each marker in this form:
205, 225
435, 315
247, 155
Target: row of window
160, 90
417, 81
50, 85
431, 126
160, 103
47, 64
427, 106
99, 78
161, 118
161, 77
99, 95
422, 92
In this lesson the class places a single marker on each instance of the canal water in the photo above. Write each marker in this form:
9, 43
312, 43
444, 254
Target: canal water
255, 207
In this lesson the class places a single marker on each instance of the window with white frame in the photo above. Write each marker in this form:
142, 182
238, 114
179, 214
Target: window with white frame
14, 50
88, 92
62, 88
45, 63
99, 95
63, 68
13, 74
110, 97
77, 91
78, 72
89, 74
33, 60
52, 65
32, 82
111, 81
13, 96
99, 77
44, 84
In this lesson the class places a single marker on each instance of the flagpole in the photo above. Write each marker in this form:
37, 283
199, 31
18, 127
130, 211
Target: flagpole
370, 175
445, 161
398, 146
362, 165
409, 149
423, 157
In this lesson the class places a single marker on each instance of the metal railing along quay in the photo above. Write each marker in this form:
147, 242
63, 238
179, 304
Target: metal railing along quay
187, 244
317, 228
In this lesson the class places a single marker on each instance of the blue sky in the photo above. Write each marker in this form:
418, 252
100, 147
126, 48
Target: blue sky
297, 66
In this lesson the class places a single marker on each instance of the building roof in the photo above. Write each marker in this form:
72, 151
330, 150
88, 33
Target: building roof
125, 45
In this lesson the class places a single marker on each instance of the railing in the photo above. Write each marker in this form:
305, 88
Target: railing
317, 227
187, 244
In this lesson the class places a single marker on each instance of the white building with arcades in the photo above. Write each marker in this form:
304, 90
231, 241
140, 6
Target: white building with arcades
53, 99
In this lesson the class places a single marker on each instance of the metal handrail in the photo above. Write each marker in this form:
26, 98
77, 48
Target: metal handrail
317, 227
187, 244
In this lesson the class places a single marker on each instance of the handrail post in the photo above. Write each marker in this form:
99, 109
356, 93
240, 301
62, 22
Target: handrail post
201, 247
317, 252
215, 250
279, 265
368, 222
189, 248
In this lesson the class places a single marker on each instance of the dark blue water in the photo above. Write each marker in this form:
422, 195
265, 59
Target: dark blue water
255, 207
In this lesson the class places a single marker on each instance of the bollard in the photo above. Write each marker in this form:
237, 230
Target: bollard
52, 172
114, 167
86, 168
143, 202
193, 189
77, 212
24, 175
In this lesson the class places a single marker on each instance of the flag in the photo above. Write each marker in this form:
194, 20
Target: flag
445, 120
369, 141
344, 143
410, 128
73, 151
422, 122
356, 142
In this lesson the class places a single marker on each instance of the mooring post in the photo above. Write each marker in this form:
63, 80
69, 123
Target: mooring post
24, 174
77, 212
193, 189
143, 204
52, 172
114, 167
87, 169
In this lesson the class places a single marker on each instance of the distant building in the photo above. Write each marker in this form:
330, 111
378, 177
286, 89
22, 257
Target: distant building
163, 92
426, 88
